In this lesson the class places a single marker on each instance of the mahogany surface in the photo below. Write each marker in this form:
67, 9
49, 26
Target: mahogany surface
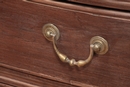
27, 57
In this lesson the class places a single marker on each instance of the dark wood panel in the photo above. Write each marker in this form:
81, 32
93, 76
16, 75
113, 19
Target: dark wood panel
116, 4
23, 46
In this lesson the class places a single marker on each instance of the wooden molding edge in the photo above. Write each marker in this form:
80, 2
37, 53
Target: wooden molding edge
16, 82
83, 9
38, 75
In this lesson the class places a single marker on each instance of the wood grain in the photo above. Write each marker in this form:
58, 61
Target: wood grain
5, 85
23, 46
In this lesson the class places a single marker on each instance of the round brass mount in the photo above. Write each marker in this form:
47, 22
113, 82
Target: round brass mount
50, 30
100, 42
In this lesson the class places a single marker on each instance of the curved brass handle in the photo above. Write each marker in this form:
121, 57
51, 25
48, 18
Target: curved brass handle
98, 45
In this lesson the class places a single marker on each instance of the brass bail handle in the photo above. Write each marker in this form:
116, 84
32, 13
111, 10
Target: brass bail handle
98, 45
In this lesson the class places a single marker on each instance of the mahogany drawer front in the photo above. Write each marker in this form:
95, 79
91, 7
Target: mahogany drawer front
115, 4
24, 48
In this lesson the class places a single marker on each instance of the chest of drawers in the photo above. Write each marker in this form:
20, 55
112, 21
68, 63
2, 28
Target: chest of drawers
27, 59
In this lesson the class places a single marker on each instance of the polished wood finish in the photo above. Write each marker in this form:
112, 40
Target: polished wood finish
5, 85
115, 4
26, 54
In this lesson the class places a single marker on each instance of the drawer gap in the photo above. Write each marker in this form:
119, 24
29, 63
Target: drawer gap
88, 5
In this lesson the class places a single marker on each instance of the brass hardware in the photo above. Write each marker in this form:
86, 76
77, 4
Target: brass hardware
98, 45
49, 31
